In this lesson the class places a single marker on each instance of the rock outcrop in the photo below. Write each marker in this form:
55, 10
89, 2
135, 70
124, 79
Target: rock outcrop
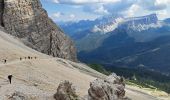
27, 20
18, 96
112, 88
1, 11
66, 91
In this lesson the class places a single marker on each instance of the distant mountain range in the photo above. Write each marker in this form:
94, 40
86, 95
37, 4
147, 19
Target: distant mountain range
123, 42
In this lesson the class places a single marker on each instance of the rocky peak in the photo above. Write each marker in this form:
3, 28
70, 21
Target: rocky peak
110, 23
27, 20
167, 21
140, 23
149, 19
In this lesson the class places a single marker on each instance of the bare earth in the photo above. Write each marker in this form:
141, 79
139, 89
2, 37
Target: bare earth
39, 78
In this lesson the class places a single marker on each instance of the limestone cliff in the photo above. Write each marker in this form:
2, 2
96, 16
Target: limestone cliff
1, 11
27, 20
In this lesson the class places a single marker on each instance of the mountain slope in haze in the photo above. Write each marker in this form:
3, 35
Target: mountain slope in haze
27, 20
121, 50
136, 41
91, 32
144, 28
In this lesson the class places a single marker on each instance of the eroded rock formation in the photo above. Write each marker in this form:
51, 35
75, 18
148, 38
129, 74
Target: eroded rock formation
27, 20
112, 88
66, 91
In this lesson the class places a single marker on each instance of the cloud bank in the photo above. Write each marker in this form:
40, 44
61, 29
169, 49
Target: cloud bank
127, 8
84, 1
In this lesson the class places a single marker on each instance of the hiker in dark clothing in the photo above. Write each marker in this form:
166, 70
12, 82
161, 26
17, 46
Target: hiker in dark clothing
20, 58
5, 61
28, 57
10, 78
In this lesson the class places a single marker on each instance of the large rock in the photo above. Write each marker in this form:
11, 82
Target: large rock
1, 11
112, 88
27, 20
66, 91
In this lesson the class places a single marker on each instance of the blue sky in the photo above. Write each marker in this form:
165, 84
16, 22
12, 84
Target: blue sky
75, 10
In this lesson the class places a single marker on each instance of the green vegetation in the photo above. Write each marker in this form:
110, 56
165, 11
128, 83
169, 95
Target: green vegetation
139, 84
99, 68
141, 77
144, 77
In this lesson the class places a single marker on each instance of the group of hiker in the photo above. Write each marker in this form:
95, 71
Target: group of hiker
5, 60
28, 58
10, 76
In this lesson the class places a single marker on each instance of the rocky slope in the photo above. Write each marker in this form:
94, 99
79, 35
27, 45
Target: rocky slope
27, 20
37, 78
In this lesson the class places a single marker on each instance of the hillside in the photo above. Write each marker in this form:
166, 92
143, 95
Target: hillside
120, 50
39, 78
40, 72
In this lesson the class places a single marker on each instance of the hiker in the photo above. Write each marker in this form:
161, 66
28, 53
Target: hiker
5, 61
28, 57
20, 58
10, 78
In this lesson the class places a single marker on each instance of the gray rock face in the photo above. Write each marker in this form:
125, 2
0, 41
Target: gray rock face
66, 91
27, 20
112, 88
149, 19
1, 11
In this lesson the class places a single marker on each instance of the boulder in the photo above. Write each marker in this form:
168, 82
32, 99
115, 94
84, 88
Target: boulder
66, 91
112, 88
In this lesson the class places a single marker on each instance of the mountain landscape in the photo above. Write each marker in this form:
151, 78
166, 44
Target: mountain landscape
117, 58
136, 46
129, 42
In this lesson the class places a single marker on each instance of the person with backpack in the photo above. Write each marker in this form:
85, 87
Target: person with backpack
5, 61
10, 78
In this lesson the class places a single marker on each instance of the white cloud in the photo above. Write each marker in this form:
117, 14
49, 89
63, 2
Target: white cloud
101, 10
72, 16
55, 1
162, 13
159, 2
84, 1
125, 8
64, 16
56, 15
132, 10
